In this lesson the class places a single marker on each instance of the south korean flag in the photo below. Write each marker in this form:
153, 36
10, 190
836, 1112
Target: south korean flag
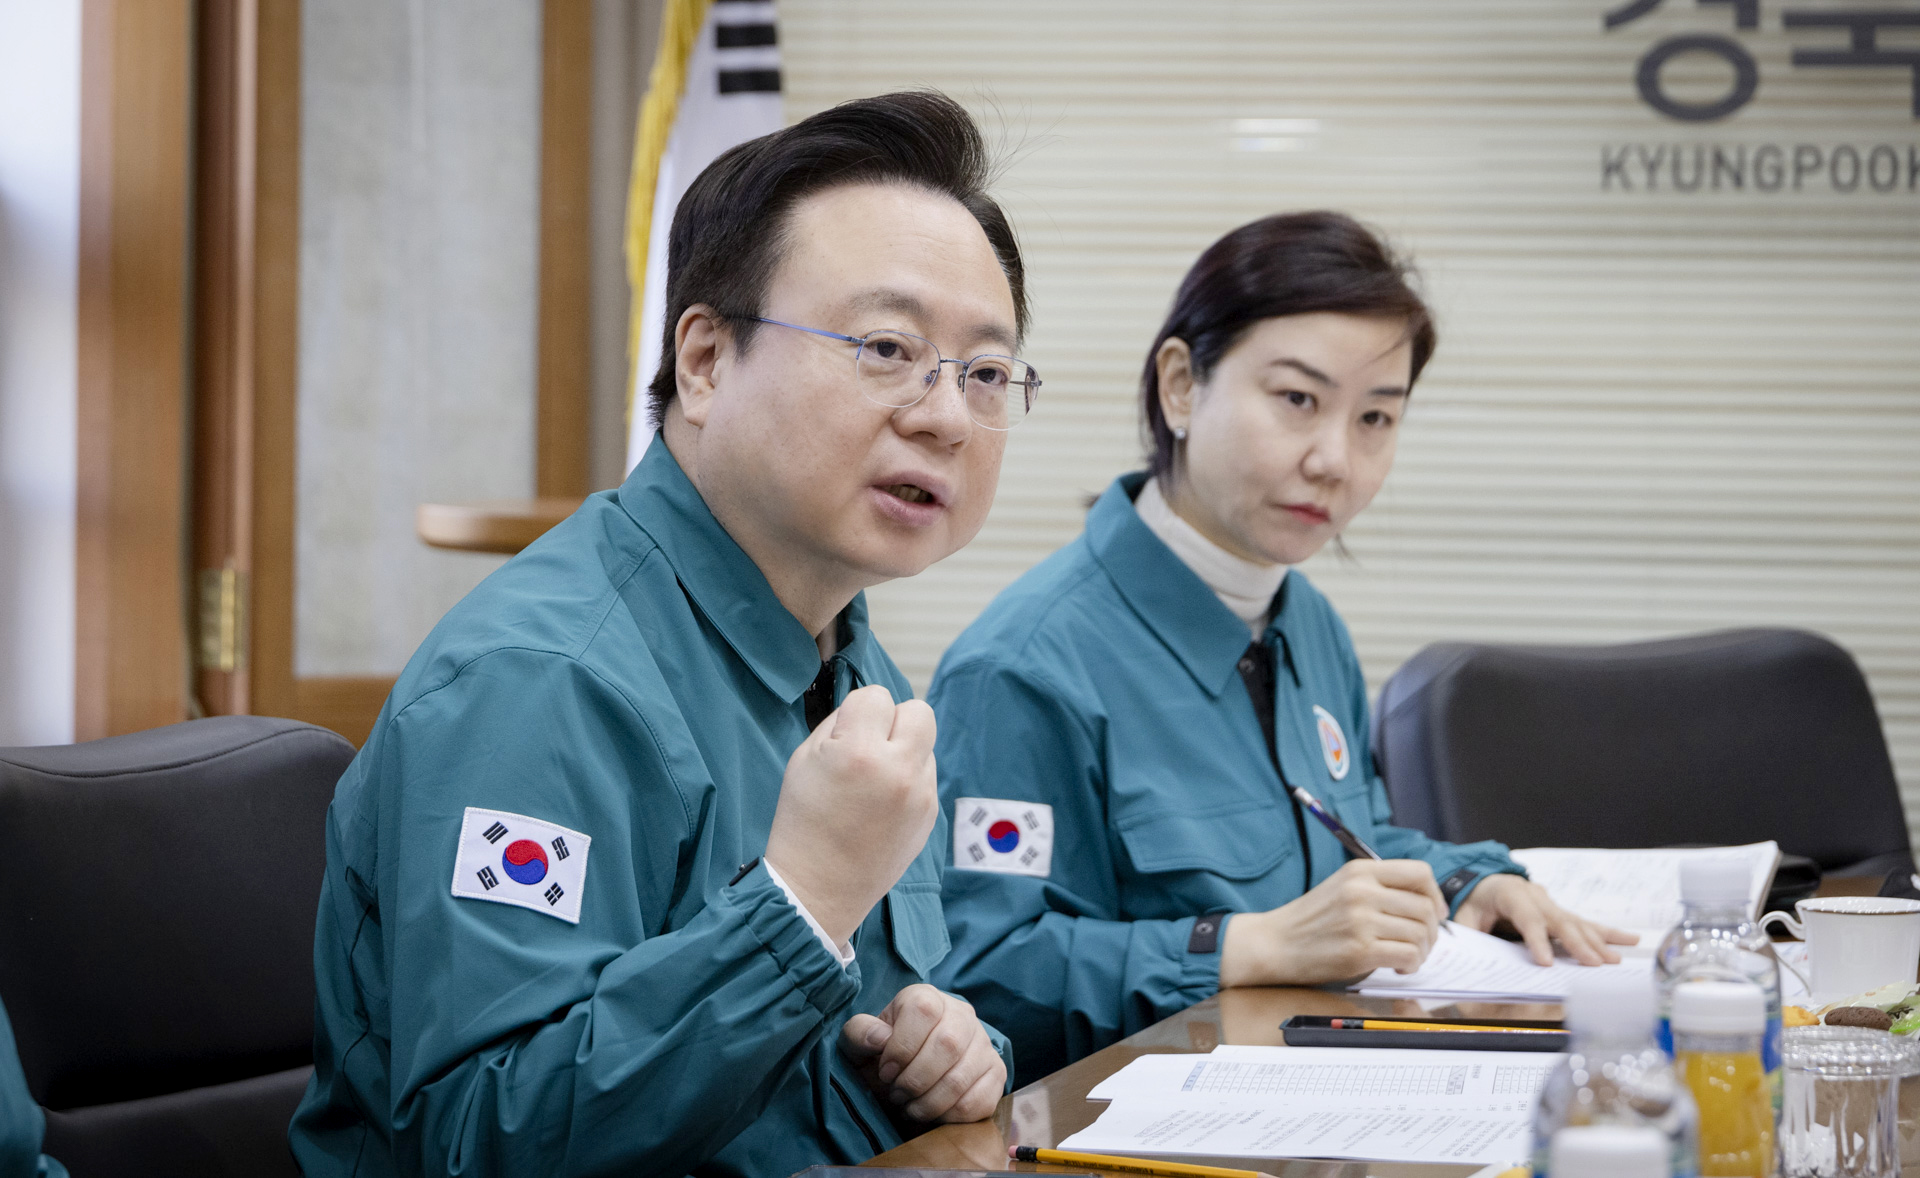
1011, 838
513, 859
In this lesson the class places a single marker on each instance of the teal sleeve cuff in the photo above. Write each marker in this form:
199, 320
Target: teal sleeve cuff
795, 948
1003, 1046
1200, 972
1459, 885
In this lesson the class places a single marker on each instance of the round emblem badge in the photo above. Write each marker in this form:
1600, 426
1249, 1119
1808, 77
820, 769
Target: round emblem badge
1333, 743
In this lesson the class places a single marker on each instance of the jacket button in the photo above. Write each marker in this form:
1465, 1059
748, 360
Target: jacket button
1246, 666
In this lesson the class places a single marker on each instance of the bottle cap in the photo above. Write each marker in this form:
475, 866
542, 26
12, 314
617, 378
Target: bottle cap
1714, 881
1603, 1002
1719, 1008
1610, 1151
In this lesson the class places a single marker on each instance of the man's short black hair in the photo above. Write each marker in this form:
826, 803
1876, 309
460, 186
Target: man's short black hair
730, 230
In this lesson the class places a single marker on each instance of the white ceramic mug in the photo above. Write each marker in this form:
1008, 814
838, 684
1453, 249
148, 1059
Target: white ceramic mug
1856, 943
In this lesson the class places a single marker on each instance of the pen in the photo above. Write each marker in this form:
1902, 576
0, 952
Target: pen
1387, 1024
1354, 844
1119, 1165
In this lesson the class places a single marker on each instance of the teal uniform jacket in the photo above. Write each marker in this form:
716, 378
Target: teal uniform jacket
1105, 684
632, 679
22, 1124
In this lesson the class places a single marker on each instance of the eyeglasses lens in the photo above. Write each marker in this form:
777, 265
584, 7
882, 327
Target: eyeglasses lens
896, 369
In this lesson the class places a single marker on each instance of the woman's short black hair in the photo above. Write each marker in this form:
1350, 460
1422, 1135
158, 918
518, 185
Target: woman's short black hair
730, 231
1287, 264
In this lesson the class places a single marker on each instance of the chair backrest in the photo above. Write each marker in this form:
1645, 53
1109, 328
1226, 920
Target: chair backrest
157, 901
1730, 737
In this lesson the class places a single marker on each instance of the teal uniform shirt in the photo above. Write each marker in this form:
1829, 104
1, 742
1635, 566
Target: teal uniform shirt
1105, 684
22, 1124
631, 678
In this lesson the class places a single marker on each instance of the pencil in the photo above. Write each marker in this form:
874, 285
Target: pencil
1355, 845
1119, 1165
1387, 1024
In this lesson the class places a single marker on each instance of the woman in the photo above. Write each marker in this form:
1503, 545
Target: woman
1120, 728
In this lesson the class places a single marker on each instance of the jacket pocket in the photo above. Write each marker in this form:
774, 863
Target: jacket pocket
918, 925
1242, 842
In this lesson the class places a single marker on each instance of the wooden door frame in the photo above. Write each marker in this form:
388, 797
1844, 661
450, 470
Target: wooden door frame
247, 313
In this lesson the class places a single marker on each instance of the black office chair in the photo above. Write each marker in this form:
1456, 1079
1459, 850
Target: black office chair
1731, 737
157, 900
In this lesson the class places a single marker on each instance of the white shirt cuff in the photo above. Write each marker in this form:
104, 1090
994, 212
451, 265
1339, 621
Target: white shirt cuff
843, 953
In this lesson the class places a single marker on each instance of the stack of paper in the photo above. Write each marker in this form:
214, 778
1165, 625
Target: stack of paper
1638, 890
1472, 965
1467, 1107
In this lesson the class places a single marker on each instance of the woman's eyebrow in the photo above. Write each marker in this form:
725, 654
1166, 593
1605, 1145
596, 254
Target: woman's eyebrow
1391, 390
1306, 369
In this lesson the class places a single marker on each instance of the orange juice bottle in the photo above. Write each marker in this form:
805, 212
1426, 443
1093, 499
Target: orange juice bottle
1718, 1027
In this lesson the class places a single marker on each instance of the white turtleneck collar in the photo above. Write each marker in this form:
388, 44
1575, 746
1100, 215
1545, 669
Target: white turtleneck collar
1241, 585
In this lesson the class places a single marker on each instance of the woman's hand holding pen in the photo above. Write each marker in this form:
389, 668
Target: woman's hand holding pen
1526, 906
1368, 914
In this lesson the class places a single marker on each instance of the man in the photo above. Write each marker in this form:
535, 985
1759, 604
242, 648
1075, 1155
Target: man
596, 900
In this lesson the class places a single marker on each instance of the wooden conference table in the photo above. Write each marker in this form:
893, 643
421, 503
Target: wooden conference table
1053, 1108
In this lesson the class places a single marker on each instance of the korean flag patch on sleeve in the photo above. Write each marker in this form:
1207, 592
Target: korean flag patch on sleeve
513, 859
1012, 838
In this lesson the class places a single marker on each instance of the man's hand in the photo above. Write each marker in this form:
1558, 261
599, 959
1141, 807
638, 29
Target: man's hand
1526, 906
928, 1048
857, 803
1366, 915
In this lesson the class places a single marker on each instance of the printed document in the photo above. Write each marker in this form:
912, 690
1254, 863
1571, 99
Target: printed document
1638, 890
1379, 1104
1474, 965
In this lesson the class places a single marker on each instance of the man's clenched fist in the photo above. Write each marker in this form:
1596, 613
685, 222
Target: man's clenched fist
857, 803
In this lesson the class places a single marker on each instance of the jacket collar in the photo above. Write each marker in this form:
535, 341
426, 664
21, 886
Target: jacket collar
1173, 602
728, 588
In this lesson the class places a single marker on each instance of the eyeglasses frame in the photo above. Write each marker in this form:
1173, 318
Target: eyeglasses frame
932, 378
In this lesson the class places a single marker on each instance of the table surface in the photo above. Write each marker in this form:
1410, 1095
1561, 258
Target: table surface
1056, 1107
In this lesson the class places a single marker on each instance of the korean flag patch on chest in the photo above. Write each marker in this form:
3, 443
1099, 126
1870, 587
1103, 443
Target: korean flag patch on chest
1012, 838
513, 859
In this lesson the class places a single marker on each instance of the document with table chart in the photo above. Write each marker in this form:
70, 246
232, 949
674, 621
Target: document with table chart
1322, 1102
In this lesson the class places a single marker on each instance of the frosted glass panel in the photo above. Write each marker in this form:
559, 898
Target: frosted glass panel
418, 283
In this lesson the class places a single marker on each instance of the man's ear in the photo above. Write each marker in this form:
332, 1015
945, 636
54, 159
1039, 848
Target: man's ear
702, 345
1174, 364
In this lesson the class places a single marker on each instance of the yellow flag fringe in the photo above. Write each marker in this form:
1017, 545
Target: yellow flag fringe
680, 24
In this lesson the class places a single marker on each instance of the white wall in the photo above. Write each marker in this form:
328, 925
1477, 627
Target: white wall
39, 224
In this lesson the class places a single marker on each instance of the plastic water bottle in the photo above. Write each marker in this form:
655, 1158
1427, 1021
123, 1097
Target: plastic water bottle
1717, 939
1718, 1028
1609, 1151
1614, 1076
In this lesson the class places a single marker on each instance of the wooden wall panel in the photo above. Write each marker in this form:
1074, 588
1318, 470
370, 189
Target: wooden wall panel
131, 667
566, 134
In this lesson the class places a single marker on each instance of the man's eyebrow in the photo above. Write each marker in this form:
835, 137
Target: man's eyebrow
899, 302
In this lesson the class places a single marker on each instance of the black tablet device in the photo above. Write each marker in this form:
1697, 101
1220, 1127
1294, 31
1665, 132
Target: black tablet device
1317, 1030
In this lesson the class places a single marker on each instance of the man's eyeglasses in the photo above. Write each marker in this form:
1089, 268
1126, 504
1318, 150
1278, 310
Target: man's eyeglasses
898, 369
